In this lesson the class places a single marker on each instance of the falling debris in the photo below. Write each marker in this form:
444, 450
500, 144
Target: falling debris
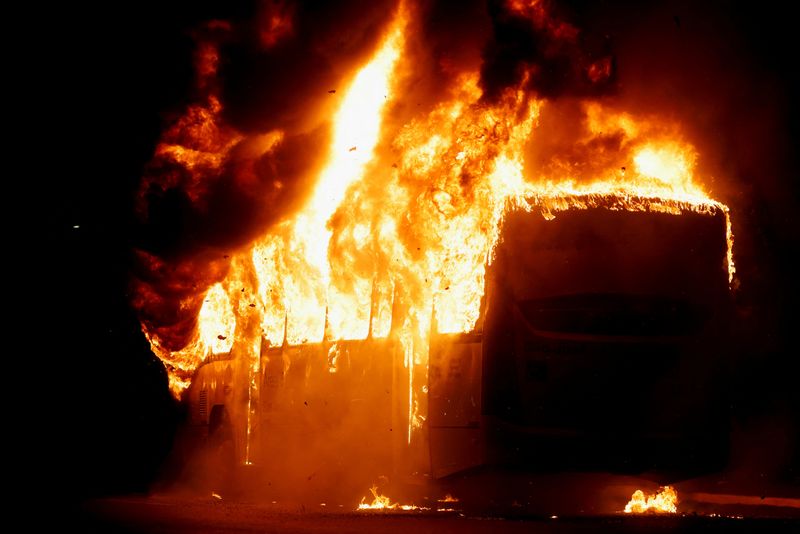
663, 502
352, 149
332, 91
216, 495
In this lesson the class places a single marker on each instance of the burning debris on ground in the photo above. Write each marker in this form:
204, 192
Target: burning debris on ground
504, 242
665, 501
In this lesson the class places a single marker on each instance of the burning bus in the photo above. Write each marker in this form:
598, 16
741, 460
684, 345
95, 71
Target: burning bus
600, 340
442, 285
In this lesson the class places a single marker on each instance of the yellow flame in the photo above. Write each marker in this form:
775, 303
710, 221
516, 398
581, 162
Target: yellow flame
382, 502
293, 269
667, 163
216, 321
663, 502
214, 334
417, 235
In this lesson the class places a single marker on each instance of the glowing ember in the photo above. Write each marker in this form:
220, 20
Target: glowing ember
381, 502
663, 502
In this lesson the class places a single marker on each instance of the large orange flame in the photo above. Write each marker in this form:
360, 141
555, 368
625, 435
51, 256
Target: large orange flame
665, 501
291, 263
403, 220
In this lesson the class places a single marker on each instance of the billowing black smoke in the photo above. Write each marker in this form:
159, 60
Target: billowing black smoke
537, 42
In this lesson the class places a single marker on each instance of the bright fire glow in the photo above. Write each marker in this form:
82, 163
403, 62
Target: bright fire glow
292, 264
356, 128
663, 502
403, 220
215, 334
668, 164
382, 502
216, 321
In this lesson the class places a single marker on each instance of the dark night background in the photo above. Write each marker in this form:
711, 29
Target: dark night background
113, 75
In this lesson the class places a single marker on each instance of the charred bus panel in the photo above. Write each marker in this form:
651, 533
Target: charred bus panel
455, 402
610, 327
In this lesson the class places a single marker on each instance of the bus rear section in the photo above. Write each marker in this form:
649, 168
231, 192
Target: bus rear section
604, 342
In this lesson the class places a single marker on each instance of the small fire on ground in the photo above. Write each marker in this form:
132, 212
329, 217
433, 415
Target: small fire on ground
382, 502
663, 502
